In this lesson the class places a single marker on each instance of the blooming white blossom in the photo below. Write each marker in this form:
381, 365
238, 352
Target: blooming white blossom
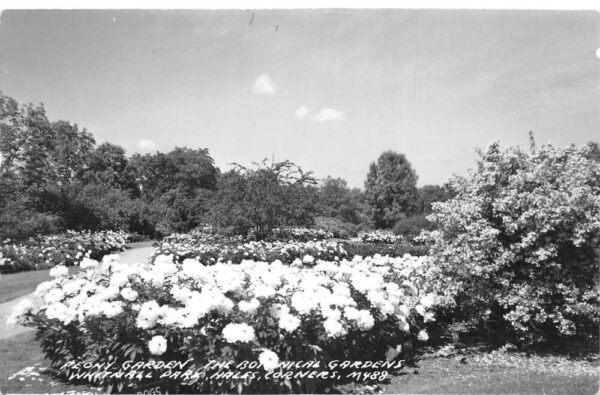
365, 320
157, 345
59, 271
129, 294
23, 307
249, 307
277, 310
269, 360
334, 328
289, 322
423, 336
87, 263
148, 315
243, 333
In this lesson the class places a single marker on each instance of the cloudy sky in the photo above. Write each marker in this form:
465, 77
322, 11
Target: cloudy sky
327, 89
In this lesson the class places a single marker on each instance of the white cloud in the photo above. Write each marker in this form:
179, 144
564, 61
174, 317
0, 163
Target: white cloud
147, 145
264, 85
302, 112
329, 115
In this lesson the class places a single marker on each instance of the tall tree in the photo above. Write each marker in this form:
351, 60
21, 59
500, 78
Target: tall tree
390, 189
339, 201
108, 165
264, 198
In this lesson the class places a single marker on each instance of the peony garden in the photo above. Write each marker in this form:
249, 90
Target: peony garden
268, 280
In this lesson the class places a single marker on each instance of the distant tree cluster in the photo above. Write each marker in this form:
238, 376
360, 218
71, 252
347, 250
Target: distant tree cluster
54, 176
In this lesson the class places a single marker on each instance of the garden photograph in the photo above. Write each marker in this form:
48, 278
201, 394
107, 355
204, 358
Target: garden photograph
299, 201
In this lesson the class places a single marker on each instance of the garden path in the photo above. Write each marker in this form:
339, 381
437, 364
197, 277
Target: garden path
136, 252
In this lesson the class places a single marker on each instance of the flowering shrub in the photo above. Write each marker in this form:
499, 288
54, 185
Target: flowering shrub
255, 311
520, 241
302, 234
188, 246
380, 237
67, 248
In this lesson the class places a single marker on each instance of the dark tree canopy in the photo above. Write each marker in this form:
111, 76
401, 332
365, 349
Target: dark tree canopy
264, 198
390, 189
338, 201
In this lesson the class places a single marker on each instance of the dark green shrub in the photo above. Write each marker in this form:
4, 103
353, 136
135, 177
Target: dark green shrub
411, 227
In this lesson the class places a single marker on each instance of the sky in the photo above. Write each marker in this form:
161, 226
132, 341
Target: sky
327, 89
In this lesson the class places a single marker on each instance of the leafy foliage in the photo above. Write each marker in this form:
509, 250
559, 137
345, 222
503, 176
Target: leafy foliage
262, 199
255, 311
390, 189
519, 242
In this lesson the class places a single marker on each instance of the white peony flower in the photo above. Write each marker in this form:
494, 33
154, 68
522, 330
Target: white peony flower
403, 325
278, 310
158, 345
289, 322
249, 307
148, 315
420, 310
269, 360
129, 294
423, 336
333, 327
308, 259
428, 300
365, 320
87, 263
243, 333
23, 307
59, 271
412, 290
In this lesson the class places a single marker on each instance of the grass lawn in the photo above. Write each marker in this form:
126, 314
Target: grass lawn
18, 284
465, 373
22, 352
497, 373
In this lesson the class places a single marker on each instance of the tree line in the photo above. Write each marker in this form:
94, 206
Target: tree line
54, 176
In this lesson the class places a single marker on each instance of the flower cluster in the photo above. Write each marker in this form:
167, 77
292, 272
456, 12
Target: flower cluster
67, 248
289, 252
519, 242
302, 234
268, 312
381, 237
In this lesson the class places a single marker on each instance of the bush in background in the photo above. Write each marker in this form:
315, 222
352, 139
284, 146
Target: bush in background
411, 227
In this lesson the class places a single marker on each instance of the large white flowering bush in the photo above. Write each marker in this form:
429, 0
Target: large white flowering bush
519, 243
67, 248
256, 311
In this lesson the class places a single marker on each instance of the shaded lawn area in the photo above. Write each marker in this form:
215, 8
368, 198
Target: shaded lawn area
476, 373
18, 284
497, 373
20, 352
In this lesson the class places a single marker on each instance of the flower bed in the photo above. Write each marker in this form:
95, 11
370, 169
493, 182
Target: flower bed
67, 248
191, 247
266, 313
380, 237
302, 234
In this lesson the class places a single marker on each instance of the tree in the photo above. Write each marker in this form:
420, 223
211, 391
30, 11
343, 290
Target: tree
184, 168
429, 194
390, 189
338, 201
108, 165
520, 241
36, 155
264, 198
